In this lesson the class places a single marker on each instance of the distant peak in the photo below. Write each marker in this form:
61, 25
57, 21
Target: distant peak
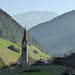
38, 12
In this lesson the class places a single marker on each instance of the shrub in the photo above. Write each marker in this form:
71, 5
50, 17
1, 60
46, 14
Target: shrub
14, 48
5, 67
32, 70
2, 64
35, 51
66, 72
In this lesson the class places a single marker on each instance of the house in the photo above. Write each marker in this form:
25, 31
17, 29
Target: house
57, 59
69, 61
41, 62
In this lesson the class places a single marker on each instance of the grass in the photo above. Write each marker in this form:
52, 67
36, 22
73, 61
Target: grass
6, 54
34, 73
5, 43
44, 70
10, 56
40, 53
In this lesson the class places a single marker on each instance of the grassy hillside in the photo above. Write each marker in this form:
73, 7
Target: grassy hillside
10, 56
40, 54
43, 70
6, 54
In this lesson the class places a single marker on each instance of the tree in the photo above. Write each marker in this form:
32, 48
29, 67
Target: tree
66, 72
35, 51
2, 64
12, 47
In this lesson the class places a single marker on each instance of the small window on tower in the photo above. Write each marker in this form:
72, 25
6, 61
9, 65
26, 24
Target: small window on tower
24, 44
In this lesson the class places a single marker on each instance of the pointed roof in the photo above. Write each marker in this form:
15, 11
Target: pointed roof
24, 37
69, 60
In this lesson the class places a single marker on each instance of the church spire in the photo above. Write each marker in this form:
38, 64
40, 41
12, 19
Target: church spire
24, 37
23, 60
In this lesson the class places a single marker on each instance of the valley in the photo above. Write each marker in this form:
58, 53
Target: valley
45, 48
57, 35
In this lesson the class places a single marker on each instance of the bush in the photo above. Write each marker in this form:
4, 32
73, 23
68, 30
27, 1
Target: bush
35, 51
14, 48
2, 64
40, 49
66, 72
0, 59
32, 70
5, 67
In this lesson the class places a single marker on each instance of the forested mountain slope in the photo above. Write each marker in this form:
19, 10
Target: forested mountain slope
10, 29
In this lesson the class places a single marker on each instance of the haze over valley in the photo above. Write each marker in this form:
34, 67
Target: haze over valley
32, 18
58, 34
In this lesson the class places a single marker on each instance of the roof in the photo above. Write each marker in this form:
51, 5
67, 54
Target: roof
24, 37
70, 60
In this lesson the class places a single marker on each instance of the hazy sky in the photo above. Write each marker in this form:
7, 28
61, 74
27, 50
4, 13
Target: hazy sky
13, 7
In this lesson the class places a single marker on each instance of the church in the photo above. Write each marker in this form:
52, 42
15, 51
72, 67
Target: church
23, 59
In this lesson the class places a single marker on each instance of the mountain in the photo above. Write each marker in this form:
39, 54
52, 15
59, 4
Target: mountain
10, 29
32, 18
57, 35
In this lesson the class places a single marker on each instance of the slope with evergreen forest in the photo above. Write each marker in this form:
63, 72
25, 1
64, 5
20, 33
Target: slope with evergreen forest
10, 29
11, 35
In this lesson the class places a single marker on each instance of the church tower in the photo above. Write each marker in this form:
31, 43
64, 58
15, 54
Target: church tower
23, 59
24, 50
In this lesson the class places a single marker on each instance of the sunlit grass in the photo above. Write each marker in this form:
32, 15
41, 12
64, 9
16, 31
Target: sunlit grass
40, 53
10, 56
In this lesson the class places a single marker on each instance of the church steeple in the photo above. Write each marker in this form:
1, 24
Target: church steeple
24, 37
23, 59
24, 50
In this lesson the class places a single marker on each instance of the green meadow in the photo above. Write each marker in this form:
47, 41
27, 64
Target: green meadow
43, 70
11, 56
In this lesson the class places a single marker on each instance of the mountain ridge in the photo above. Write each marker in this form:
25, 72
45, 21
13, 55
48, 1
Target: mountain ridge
33, 18
57, 34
